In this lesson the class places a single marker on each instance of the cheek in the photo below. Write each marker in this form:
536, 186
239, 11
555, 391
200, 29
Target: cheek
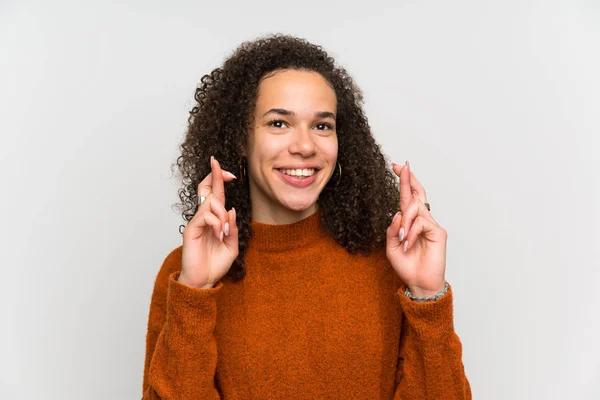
264, 149
330, 149
272, 150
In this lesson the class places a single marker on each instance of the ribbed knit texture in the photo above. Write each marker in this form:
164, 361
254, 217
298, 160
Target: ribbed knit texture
308, 321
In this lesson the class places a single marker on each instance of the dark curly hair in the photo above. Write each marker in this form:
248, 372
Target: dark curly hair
359, 210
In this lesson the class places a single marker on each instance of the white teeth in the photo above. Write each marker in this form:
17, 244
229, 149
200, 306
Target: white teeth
299, 172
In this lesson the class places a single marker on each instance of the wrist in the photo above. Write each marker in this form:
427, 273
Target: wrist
183, 281
419, 292
422, 295
430, 289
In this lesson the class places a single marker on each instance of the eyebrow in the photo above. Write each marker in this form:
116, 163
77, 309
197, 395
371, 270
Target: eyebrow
282, 111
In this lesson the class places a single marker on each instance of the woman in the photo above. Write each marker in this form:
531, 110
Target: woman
298, 279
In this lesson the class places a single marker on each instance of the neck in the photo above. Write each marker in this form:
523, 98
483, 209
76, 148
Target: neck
266, 211
282, 215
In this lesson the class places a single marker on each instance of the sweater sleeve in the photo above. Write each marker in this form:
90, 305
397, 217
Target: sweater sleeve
181, 350
430, 355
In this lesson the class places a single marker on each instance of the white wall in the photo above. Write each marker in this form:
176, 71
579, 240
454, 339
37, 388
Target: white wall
496, 105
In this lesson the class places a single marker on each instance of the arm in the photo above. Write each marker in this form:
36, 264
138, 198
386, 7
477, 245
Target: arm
181, 351
430, 355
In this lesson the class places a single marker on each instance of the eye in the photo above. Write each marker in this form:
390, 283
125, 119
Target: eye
277, 123
323, 126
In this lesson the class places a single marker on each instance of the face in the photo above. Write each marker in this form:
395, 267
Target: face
292, 146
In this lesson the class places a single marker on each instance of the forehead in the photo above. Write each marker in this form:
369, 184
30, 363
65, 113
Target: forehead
296, 90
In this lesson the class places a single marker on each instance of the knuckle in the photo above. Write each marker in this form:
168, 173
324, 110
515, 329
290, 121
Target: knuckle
412, 208
207, 215
201, 211
215, 198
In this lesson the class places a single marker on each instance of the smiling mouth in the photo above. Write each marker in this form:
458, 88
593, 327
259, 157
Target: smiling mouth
299, 173
298, 181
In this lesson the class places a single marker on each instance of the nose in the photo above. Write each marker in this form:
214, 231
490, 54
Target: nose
303, 142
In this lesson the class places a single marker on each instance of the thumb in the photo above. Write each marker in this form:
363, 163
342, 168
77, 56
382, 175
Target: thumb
393, 240
232, 239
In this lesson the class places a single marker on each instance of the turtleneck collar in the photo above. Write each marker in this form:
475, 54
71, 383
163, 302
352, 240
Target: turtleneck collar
277, 238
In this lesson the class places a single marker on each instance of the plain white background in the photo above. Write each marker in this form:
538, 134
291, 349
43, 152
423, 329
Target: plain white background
496, 104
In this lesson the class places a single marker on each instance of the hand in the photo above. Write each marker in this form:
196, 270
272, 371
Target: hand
420, 257
210, 239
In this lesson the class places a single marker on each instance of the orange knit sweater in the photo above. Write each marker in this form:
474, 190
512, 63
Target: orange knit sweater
308, 321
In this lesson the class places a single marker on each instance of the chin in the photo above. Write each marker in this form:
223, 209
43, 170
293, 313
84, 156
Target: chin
299, 205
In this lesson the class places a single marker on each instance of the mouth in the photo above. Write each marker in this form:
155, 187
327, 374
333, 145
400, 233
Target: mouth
299, 173
299, 178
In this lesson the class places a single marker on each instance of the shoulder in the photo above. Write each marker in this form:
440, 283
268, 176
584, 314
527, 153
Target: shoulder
376, 256
378, 260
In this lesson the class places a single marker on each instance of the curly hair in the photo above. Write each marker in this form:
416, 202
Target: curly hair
359, 210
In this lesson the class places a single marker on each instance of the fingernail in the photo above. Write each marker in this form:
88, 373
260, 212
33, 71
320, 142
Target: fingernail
231, 175
395, 217
402, 234
221, 237
211, 160
226, 229
408, 165
405, 245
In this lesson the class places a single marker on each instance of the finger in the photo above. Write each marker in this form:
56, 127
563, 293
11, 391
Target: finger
419, 193
219, 210
392, 239
414, 210
417, 189
217, 180
405, 190
415, 186
205, 187
200, 221
215, 223
422, 226
232, 238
